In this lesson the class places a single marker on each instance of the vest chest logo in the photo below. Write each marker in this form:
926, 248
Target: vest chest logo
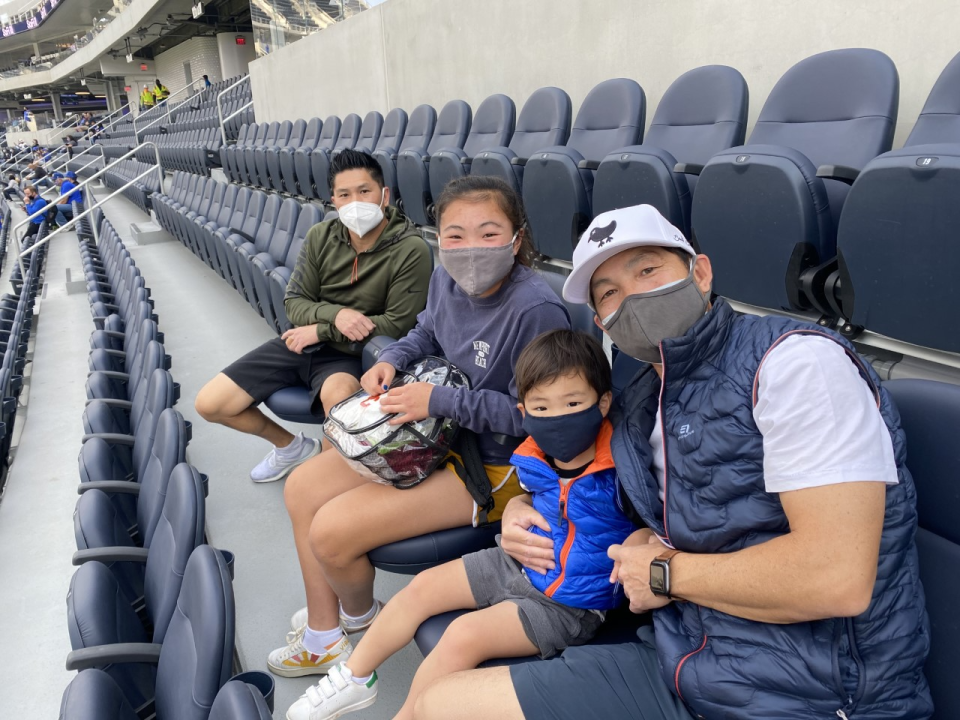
482, 349
685, 432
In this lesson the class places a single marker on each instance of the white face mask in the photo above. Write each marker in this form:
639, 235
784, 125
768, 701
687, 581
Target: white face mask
362, 217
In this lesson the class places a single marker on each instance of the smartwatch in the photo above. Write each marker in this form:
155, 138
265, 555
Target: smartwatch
660, 574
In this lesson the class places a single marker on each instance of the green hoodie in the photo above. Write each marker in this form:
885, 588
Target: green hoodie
387, 283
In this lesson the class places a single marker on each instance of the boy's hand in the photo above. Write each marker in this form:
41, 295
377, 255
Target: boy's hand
527, 548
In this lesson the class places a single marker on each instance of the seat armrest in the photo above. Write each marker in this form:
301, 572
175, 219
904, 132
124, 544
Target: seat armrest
112, 438
518, 161
466, 161
588, 164
113, 375
504, 439
114, 353
114, 334
121, 487
112, 402
843, 173
245, 236
688, 168
101, 655
111, 554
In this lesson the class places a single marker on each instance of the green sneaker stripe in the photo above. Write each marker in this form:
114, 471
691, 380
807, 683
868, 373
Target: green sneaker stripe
373, 679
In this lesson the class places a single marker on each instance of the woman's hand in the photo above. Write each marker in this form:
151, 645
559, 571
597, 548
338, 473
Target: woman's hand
527, 548
411, 402
376, 380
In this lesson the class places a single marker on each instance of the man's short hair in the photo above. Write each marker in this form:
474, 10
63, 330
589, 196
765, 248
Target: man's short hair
355, 160
559, 353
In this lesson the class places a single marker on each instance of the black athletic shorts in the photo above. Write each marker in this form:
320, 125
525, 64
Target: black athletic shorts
270, 367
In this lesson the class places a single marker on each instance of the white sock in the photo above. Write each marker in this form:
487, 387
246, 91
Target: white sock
367, 616
360, 680
293, 449
317, 641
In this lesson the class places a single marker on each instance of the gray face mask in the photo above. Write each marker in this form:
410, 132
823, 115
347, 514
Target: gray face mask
644, 319
477, 269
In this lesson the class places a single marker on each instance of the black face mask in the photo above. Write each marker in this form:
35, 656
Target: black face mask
563, 437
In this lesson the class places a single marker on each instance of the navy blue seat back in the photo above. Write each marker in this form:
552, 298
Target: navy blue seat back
93, 695
394, 126
558, 181
168, 450
370, 132
939, 121
760, 211
581, 316
452, 128
330, 132
930, 413
417, 136
278, 277
349, 134
239, 701
703, 112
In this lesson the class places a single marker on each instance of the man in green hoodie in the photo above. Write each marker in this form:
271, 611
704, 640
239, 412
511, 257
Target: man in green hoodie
363, 274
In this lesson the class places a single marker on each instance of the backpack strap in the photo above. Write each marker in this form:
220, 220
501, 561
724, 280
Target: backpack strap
474, 475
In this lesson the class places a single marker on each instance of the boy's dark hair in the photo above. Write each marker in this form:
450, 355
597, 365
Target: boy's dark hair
355, 160
562, 352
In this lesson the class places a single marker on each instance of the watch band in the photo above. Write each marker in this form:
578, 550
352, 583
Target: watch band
664, 558
667, 555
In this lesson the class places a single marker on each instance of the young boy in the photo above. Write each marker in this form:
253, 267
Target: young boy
564, 388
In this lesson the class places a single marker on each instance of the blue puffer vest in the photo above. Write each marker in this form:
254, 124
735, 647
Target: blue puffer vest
869, 666
585, 519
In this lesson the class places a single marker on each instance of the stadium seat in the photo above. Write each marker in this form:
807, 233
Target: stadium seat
258, 234
544, 121
246, 215
410, 556
321, 157
267, 247
581, 316
99, 612
123, 388
929, 413
417, 136
285, 158
219, 215
492, 126
302, 165
370, 131
272, 276
703, 112
260, 175
272, 177
897, 250
413, 178
238, 700
767, 211
196, 656
248, 168
558, 181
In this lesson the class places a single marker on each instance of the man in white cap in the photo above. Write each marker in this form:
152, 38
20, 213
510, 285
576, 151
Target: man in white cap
764, 466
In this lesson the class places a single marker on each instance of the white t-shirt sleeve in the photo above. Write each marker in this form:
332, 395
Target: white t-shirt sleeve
819, 419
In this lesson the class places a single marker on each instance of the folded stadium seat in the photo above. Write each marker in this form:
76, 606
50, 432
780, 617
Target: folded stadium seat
202, 195
558, 181
246, 217
413, 180
274, 176
238, 700
703, 112
228, 152
929, 414
544, 121
209, 204
219, 214
224, 195
276, 247
260, 174
370, 131
272, 272
321, 156
492, 126
763, 211
394, 127
903, 205
258, 239
119, 389
417, 136
244, 155
284, 175
100, 613
303, 168
193, 663
142, 329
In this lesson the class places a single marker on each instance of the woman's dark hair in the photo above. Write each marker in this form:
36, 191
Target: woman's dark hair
355, 160
562, 352
479, 188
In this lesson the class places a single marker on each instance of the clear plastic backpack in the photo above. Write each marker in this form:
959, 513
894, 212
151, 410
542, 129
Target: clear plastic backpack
398, 455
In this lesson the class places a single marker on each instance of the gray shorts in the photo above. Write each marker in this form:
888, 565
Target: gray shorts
494, 578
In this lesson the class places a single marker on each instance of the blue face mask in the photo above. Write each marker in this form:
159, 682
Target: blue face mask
563, 437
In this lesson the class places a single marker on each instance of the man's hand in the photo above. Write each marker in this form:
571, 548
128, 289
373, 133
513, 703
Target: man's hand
634, 539
527, 548
632, 569
300, 337
377, 379
355, 325
410, 401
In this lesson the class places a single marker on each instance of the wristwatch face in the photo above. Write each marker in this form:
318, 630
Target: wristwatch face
658, 577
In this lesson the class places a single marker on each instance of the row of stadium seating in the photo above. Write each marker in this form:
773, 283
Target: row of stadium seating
150, 609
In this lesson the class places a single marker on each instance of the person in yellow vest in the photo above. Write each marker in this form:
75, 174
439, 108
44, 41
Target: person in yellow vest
146, 98
160, 91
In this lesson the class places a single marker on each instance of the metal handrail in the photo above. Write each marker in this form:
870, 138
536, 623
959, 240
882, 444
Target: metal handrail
7, 164
167, 106
223, 123
223, 131
104, 119
65, 164
81, 186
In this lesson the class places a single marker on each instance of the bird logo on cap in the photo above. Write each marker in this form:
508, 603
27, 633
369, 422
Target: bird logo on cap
603, 235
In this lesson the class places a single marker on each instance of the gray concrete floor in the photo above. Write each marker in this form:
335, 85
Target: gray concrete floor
207, 325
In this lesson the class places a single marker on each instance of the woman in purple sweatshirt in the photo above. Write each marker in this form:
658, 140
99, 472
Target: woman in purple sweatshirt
484, 305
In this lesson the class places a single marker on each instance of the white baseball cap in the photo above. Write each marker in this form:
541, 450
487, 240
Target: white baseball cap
613, 232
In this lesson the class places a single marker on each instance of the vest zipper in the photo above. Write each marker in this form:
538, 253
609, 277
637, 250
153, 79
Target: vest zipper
663, 440
568, 541
676, 674
861, 669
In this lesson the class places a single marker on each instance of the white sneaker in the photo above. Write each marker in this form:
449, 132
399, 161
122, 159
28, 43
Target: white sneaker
272, 467
335, 695
299, 620
295, 660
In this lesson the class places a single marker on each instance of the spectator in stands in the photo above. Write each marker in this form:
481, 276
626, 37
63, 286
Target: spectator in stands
34, 145
13, 187
68, 195
68, 146
565, 391
146, 98
37, 176
32, 202
357, 276
206, 82
765, 465
484, 305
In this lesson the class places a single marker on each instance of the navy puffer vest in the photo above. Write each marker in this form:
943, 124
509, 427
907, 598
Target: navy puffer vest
870, 666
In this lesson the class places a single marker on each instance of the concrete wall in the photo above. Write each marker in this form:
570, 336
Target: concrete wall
234, 58
203, 55
407, 52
